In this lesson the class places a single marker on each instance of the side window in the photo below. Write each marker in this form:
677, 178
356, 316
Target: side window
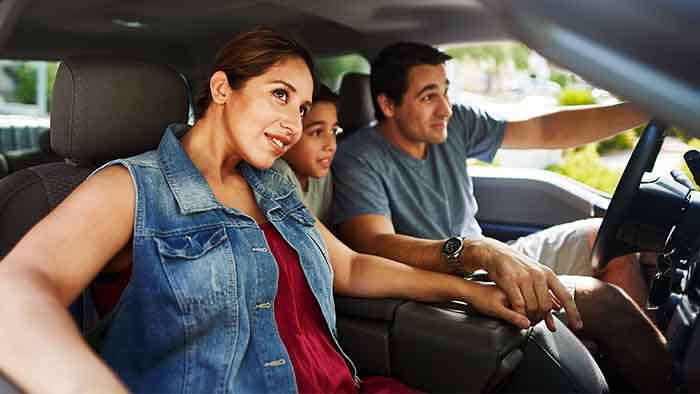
25, 103
511, 81
330, 70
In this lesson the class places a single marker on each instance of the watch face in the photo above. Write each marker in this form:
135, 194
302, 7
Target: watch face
452, 246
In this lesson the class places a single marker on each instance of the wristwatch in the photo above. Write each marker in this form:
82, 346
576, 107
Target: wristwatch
452, 249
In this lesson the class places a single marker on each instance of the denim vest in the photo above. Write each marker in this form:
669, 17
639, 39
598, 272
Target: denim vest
198, 314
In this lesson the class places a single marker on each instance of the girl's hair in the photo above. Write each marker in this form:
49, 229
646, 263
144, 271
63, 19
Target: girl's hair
248, 55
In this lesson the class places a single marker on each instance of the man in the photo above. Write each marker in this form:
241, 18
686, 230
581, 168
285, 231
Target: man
402, 191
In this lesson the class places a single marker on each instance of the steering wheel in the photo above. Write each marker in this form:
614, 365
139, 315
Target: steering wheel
607, 245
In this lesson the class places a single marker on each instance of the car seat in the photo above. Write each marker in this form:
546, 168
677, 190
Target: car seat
104, 108
355, 109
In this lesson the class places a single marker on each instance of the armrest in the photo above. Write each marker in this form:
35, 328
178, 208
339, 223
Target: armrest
382, 309
449, 348
428, 346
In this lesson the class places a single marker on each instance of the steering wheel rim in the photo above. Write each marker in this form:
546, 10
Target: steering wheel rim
606, 245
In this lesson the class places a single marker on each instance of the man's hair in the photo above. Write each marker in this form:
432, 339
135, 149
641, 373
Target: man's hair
389, 75
323, 93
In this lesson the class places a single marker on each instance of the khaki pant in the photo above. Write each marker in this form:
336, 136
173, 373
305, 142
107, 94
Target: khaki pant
563, 248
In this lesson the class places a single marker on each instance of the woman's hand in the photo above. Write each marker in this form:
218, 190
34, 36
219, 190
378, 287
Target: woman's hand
531, 289
489, 299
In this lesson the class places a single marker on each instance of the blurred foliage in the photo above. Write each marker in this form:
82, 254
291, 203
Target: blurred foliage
330, 70
25, 83
25, 77
622, 141
672, 131
497, 53
563, 79
571, 96
479, 163
584, 165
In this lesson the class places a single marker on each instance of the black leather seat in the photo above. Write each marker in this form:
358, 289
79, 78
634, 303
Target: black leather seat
355, 109
103, 108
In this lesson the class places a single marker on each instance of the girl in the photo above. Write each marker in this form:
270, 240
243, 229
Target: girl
307, 164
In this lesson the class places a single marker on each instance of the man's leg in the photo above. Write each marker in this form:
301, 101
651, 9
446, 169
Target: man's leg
623, 271
566, 249
625, 335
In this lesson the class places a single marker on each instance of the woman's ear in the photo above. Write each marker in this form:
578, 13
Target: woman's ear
386, 105
219, 87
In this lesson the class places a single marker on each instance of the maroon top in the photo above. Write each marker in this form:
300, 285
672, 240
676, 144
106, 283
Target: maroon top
318, 366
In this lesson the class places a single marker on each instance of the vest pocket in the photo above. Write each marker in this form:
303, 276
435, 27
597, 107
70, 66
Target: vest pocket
199, 266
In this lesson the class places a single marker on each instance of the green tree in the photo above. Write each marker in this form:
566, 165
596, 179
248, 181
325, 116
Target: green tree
584, 165
51, 69
25, 77
622, 141
25, 83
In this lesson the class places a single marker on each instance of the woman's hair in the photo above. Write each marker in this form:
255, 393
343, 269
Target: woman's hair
248, 55
323, 93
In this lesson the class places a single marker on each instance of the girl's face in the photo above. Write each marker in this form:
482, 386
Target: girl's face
313, 154
263, 119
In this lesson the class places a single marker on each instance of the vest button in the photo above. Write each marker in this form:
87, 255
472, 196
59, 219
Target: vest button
275, 363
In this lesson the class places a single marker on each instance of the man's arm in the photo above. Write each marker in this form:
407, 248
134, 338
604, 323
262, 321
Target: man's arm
375, 234
571, 127
369, 276
526, 282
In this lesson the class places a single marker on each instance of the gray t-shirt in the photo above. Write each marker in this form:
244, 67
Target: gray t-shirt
319, 193
431, 198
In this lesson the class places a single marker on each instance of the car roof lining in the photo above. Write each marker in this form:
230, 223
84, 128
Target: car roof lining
182, 32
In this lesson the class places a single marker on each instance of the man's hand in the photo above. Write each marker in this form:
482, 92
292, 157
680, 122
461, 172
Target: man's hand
532, 289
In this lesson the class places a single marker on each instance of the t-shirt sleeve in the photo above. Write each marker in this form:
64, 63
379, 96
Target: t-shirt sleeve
357, 189
482, 132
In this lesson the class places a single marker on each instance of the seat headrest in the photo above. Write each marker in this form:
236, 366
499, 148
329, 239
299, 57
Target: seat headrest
355, 110
106, 107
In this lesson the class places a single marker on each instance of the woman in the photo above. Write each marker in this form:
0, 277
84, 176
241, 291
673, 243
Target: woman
308, 163
219, 242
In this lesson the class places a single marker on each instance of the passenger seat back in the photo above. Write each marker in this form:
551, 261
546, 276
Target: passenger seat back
104, 108
355, 109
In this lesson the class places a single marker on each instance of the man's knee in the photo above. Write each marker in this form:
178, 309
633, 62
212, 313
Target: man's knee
598, 299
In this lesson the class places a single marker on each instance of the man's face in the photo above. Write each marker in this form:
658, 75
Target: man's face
425, 108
